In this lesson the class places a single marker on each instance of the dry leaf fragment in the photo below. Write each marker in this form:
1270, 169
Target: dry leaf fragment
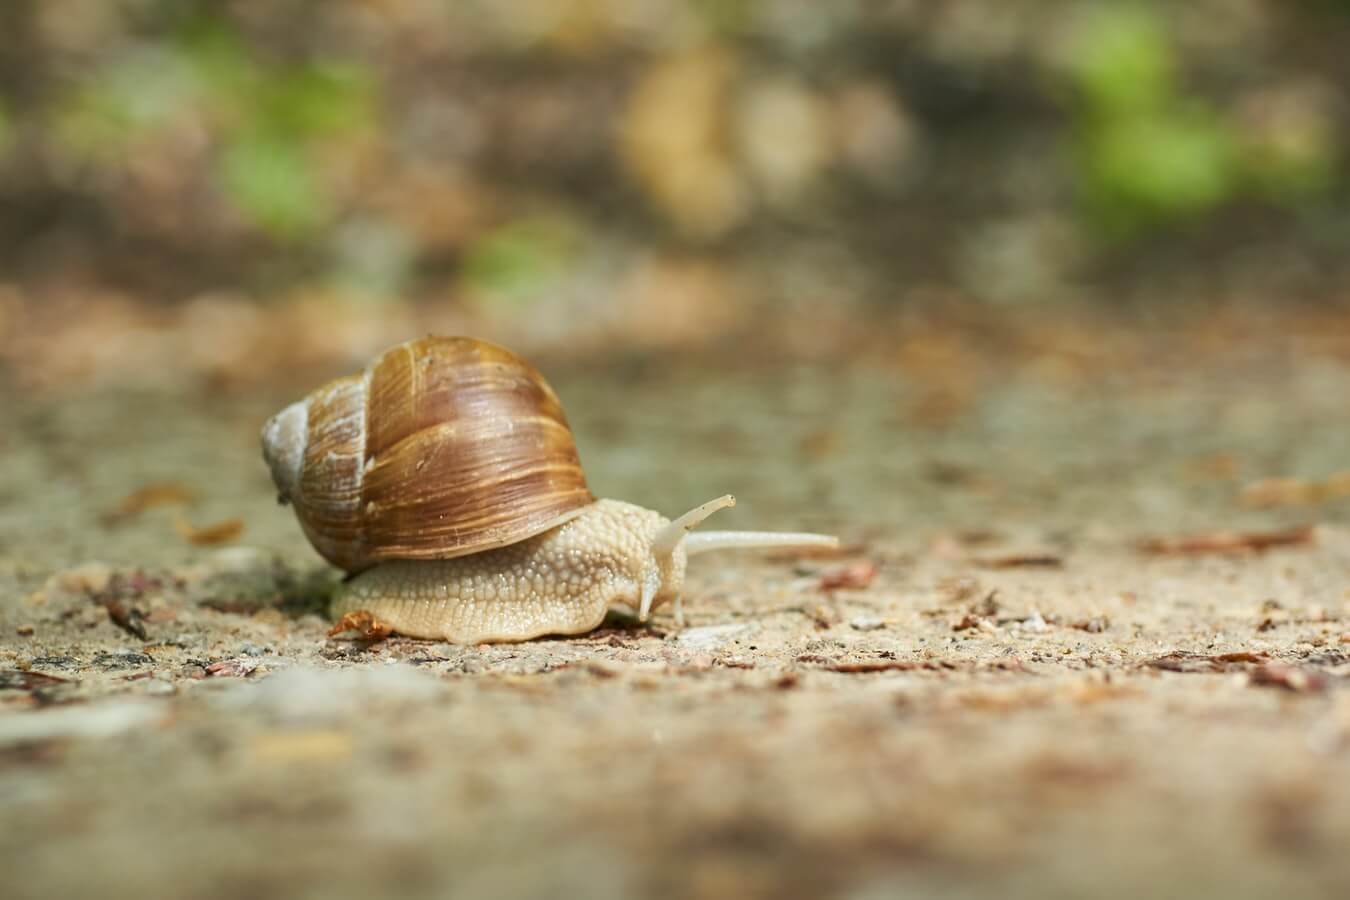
128, 618
1024, 561
364, 623
853, 576
210, 535
231, 668
969, 620
1289, 678
1182, 661
1269, 492
1229, 542
164, 493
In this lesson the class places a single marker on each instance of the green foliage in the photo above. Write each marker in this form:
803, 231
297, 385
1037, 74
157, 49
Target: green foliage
270, 181
1121, 61
1144, 169
267, 118
314, 101
275, 116
1147, 154
726, 16
513, 262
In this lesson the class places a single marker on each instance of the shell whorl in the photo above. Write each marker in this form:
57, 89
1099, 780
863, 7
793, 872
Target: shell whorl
283, 441
441, 448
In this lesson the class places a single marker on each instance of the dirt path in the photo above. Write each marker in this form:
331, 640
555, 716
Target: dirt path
1022, 700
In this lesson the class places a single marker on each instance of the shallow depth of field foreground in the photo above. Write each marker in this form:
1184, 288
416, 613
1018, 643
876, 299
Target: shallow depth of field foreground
1091, 653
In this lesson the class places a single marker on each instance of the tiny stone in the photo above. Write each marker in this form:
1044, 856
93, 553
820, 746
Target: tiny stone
251, 649
866, 623
24, 630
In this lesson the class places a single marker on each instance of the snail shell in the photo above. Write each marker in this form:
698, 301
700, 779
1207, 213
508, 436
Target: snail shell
441, 448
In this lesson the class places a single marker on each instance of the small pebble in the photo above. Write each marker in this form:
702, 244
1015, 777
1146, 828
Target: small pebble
24, 630
866, 623
1035, 622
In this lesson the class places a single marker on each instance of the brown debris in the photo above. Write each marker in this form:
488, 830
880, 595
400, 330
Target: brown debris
1289, 678
1024, 561
823, 617
1183, 661
159, 494
831, 664
232, 668
1229, 542
128, 618
988, 607
210, 535
115, 596
957, 588
364, 623
969, 620
23, 680
1273, 492
852, 577
1094, 625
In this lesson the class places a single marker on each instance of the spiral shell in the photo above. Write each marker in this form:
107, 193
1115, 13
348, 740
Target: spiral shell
441, 448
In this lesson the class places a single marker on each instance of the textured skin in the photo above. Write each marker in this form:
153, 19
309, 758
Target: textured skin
559, 582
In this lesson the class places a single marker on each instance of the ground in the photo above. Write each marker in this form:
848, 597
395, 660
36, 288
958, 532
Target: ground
1101, 653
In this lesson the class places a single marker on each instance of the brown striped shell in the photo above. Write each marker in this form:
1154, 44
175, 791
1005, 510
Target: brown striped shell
441, 448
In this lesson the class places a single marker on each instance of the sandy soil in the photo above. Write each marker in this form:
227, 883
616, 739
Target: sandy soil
1023, 700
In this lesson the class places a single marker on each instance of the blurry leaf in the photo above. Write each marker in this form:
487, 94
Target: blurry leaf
319, 100
220, 58
1157, 167
1121, 59
309, 100
516, 259
271, 183
726, 16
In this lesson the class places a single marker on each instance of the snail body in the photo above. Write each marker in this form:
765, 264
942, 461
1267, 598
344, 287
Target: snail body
445, 479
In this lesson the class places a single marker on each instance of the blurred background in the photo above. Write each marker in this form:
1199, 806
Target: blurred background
223, 188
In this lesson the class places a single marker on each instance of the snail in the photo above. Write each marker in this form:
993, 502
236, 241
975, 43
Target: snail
444, 479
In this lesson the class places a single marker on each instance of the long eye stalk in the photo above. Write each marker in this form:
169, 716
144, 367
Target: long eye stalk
757, 540
670, 536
